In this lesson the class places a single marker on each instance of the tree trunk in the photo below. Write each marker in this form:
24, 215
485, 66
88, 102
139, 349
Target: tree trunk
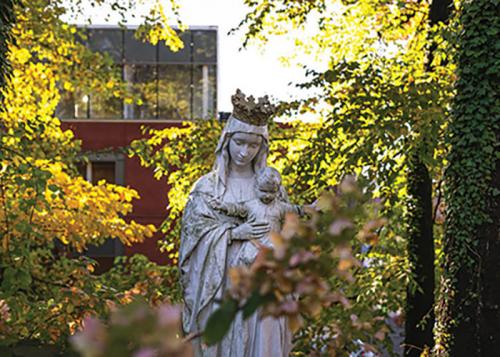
420, 317
420, 302
489, 324
469, 313
6, 21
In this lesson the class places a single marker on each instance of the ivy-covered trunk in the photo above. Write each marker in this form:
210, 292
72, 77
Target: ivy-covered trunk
420, 315
469, 310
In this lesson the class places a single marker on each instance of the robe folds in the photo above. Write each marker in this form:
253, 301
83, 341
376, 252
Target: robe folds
205, 256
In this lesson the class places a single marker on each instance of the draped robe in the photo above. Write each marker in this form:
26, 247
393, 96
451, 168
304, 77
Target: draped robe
204, 259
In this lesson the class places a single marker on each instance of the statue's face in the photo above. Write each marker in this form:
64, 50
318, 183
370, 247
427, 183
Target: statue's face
267, 193
243, 147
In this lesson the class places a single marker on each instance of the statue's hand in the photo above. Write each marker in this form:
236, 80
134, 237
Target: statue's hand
312, 206
250, 230
216, 204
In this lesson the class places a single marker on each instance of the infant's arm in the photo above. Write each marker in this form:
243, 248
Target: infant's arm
291, 208
231, 209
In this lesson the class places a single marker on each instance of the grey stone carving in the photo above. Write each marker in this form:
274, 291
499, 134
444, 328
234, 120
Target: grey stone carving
230, 211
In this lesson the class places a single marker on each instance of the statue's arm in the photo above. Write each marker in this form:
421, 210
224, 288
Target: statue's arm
287, 207
231, 209
237, 210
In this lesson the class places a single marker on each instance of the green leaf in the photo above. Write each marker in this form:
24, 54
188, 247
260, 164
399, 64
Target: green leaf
219, 322
14, 279
24, 227
253, 303
53, 187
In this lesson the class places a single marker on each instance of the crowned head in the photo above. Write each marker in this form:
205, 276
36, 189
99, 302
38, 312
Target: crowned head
247, 110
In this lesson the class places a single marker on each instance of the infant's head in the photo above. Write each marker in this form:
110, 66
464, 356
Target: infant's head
267, 184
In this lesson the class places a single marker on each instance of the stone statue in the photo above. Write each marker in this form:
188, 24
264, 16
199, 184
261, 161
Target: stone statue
230, 212
266, 207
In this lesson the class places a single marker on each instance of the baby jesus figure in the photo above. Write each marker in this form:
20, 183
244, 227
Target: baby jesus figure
266, 207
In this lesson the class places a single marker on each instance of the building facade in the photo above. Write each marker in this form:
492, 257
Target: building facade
171, 87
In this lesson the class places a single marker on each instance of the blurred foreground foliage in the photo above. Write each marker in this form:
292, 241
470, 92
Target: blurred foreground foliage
317, 267
136, 329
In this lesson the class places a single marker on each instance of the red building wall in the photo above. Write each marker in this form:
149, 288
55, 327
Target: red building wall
151, 207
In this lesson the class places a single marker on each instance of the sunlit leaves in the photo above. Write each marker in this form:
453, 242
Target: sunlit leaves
182, 155
157, 25
91, 213
48, 213
376, 100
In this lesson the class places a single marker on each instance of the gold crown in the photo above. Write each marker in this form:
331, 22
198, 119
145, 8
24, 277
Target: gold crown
246, 110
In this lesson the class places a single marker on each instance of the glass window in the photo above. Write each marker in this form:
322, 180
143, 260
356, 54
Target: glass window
107, 40
166, 85
105, 107
137, 51
94, 171
174, 91
107, 166
165, 55
204, 99
103, 171
72, 105
82, 109
205, 46
66, 106
143, 80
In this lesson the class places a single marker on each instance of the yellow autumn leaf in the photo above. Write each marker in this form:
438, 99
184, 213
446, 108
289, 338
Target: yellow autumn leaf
68, 86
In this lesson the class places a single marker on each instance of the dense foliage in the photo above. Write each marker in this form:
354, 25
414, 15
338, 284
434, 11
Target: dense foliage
380, 97
48, 213
381, 101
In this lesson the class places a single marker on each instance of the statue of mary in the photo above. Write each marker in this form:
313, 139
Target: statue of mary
213, 242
